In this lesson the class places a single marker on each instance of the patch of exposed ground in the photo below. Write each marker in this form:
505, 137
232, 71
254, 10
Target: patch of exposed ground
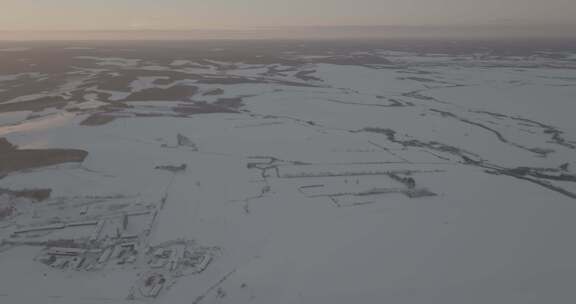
213, 92
391, 103
539, 151
6, 212
539, 176
357, 60
33, 194
230, 80
418, 95
528, 174
98, 119
557, 136
6, 146
307, 76
391, 135
275, 71
36, 105
13, 159
231, 103
222, 105
202, 108
175, 93
28, 85
121, 80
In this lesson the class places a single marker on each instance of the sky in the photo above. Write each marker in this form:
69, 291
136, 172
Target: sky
203, 14
33, 19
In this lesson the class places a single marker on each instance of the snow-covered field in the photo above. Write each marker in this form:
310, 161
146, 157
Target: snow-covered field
291, 175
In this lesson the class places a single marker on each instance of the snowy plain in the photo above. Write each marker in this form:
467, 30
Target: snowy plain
300, 177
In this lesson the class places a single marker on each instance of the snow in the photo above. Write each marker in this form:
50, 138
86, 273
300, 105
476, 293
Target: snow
300, 196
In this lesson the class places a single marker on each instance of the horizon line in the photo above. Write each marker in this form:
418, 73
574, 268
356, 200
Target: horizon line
321, 32
310, 26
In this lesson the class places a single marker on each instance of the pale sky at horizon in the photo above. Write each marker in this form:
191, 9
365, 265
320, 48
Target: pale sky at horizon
196, 14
